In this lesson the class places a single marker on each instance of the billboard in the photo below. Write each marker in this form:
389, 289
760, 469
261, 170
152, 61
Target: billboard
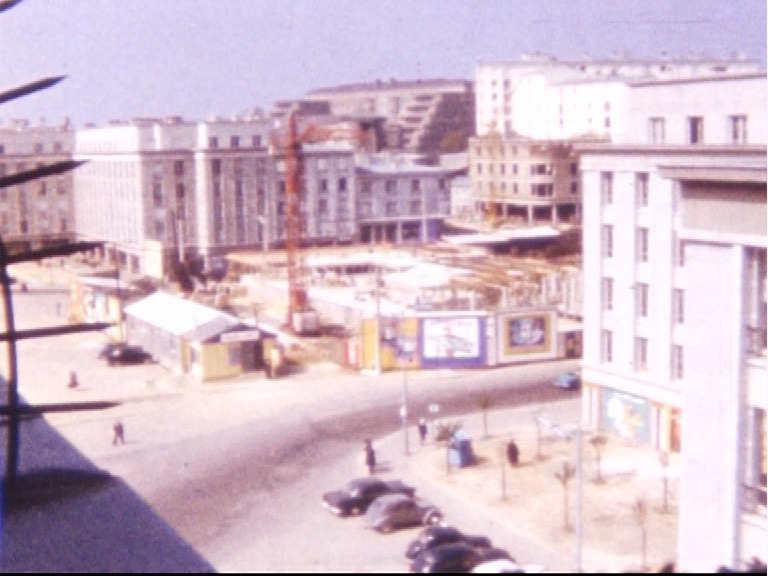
527, 334
450, 338
626, 415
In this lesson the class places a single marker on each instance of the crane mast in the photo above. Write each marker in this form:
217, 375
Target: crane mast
301, 318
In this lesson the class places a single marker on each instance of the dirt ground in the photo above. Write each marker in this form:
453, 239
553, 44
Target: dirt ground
625, 525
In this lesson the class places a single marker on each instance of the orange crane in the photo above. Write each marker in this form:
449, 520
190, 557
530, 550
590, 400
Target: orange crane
302, 319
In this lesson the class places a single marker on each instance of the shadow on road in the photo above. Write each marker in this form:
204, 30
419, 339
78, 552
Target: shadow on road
65, 515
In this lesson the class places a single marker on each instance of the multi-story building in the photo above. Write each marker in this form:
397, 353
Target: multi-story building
523, 180
541, 97
538, 107
418, 115
38, 213
674, 241
399, 200
160, 190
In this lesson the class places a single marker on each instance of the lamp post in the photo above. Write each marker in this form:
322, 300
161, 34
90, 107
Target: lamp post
405, 352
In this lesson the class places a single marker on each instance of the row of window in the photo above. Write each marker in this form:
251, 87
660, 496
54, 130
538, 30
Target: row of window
642, 300
235, 141
736, 126
640, 361
642, 243
641, 189
538, 169
39, 148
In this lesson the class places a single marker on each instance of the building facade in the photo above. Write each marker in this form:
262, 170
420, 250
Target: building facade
38, 213
674, 242
419, 115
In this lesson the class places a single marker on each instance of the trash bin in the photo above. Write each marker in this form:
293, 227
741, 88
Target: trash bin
460, 450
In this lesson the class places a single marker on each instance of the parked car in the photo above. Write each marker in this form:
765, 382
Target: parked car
393, 511
499, 566
358, 494
452, 558
568, 381
128, 354
107, 349
433, 536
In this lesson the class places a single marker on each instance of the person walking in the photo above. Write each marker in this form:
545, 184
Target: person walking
118, 433
422, 430
370, 457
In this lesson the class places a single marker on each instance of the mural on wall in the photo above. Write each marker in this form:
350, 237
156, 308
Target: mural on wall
527, 334
626, 415
446, 338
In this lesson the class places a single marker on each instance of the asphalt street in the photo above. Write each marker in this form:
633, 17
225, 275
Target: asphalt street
236, 469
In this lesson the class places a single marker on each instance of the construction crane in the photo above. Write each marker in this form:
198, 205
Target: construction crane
302, 319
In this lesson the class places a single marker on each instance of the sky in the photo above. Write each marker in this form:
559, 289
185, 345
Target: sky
199, 58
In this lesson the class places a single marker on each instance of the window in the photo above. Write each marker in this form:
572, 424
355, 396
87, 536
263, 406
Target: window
479, 168
607, 241
641, 354
678, 306
756, 477
323, 185
574, 187
234, 141
391, 209
178, 167
607, 293
656, 131
540, 169
542, 190
514, 169
642, 300
738, 129
322, 206
695, 129
641, 189
342, 184
256, 141
365, 186
642, 244
677, 362
679, 254
216, 167
38, 148
415, 207
606, 346
213, 142
606, 188
180, 192
574, 169
390, 186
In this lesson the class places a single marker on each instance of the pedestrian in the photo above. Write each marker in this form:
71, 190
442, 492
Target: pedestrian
422, 430
73, 383
370, 456
119, 433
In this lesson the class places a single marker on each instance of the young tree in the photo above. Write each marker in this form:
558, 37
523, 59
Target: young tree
640, 513
484, 402
598, 441
564, 476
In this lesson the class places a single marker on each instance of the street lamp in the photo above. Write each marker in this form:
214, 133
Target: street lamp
405, 349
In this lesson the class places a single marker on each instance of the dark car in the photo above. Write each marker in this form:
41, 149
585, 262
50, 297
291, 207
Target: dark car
453, 558
107, 349
433, 536
128, 354
393, 511
358, 494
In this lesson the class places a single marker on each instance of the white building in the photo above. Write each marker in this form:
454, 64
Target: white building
674, 248
38, 213
541, 97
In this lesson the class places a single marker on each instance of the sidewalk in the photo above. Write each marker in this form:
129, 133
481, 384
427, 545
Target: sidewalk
524, 506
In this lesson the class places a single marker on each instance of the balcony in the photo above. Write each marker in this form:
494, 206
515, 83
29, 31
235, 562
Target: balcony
756, 341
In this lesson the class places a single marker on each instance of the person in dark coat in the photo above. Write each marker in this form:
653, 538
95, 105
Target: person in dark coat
370, 457
422, 430
118, 433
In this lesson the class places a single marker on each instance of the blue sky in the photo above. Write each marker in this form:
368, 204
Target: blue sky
197, 58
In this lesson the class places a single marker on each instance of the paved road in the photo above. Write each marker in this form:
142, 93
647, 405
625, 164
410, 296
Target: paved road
237, 469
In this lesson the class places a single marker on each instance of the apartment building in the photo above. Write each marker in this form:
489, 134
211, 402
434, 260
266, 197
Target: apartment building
40, 213
674, 240
400, 200
419, 115
542, 97
523, 180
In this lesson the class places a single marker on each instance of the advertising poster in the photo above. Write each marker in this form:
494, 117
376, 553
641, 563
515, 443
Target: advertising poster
447, 338
626, 415
527, 334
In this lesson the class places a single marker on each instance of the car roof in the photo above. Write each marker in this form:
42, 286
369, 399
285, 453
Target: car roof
362, 482
451, 549
433, 532
388, 499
